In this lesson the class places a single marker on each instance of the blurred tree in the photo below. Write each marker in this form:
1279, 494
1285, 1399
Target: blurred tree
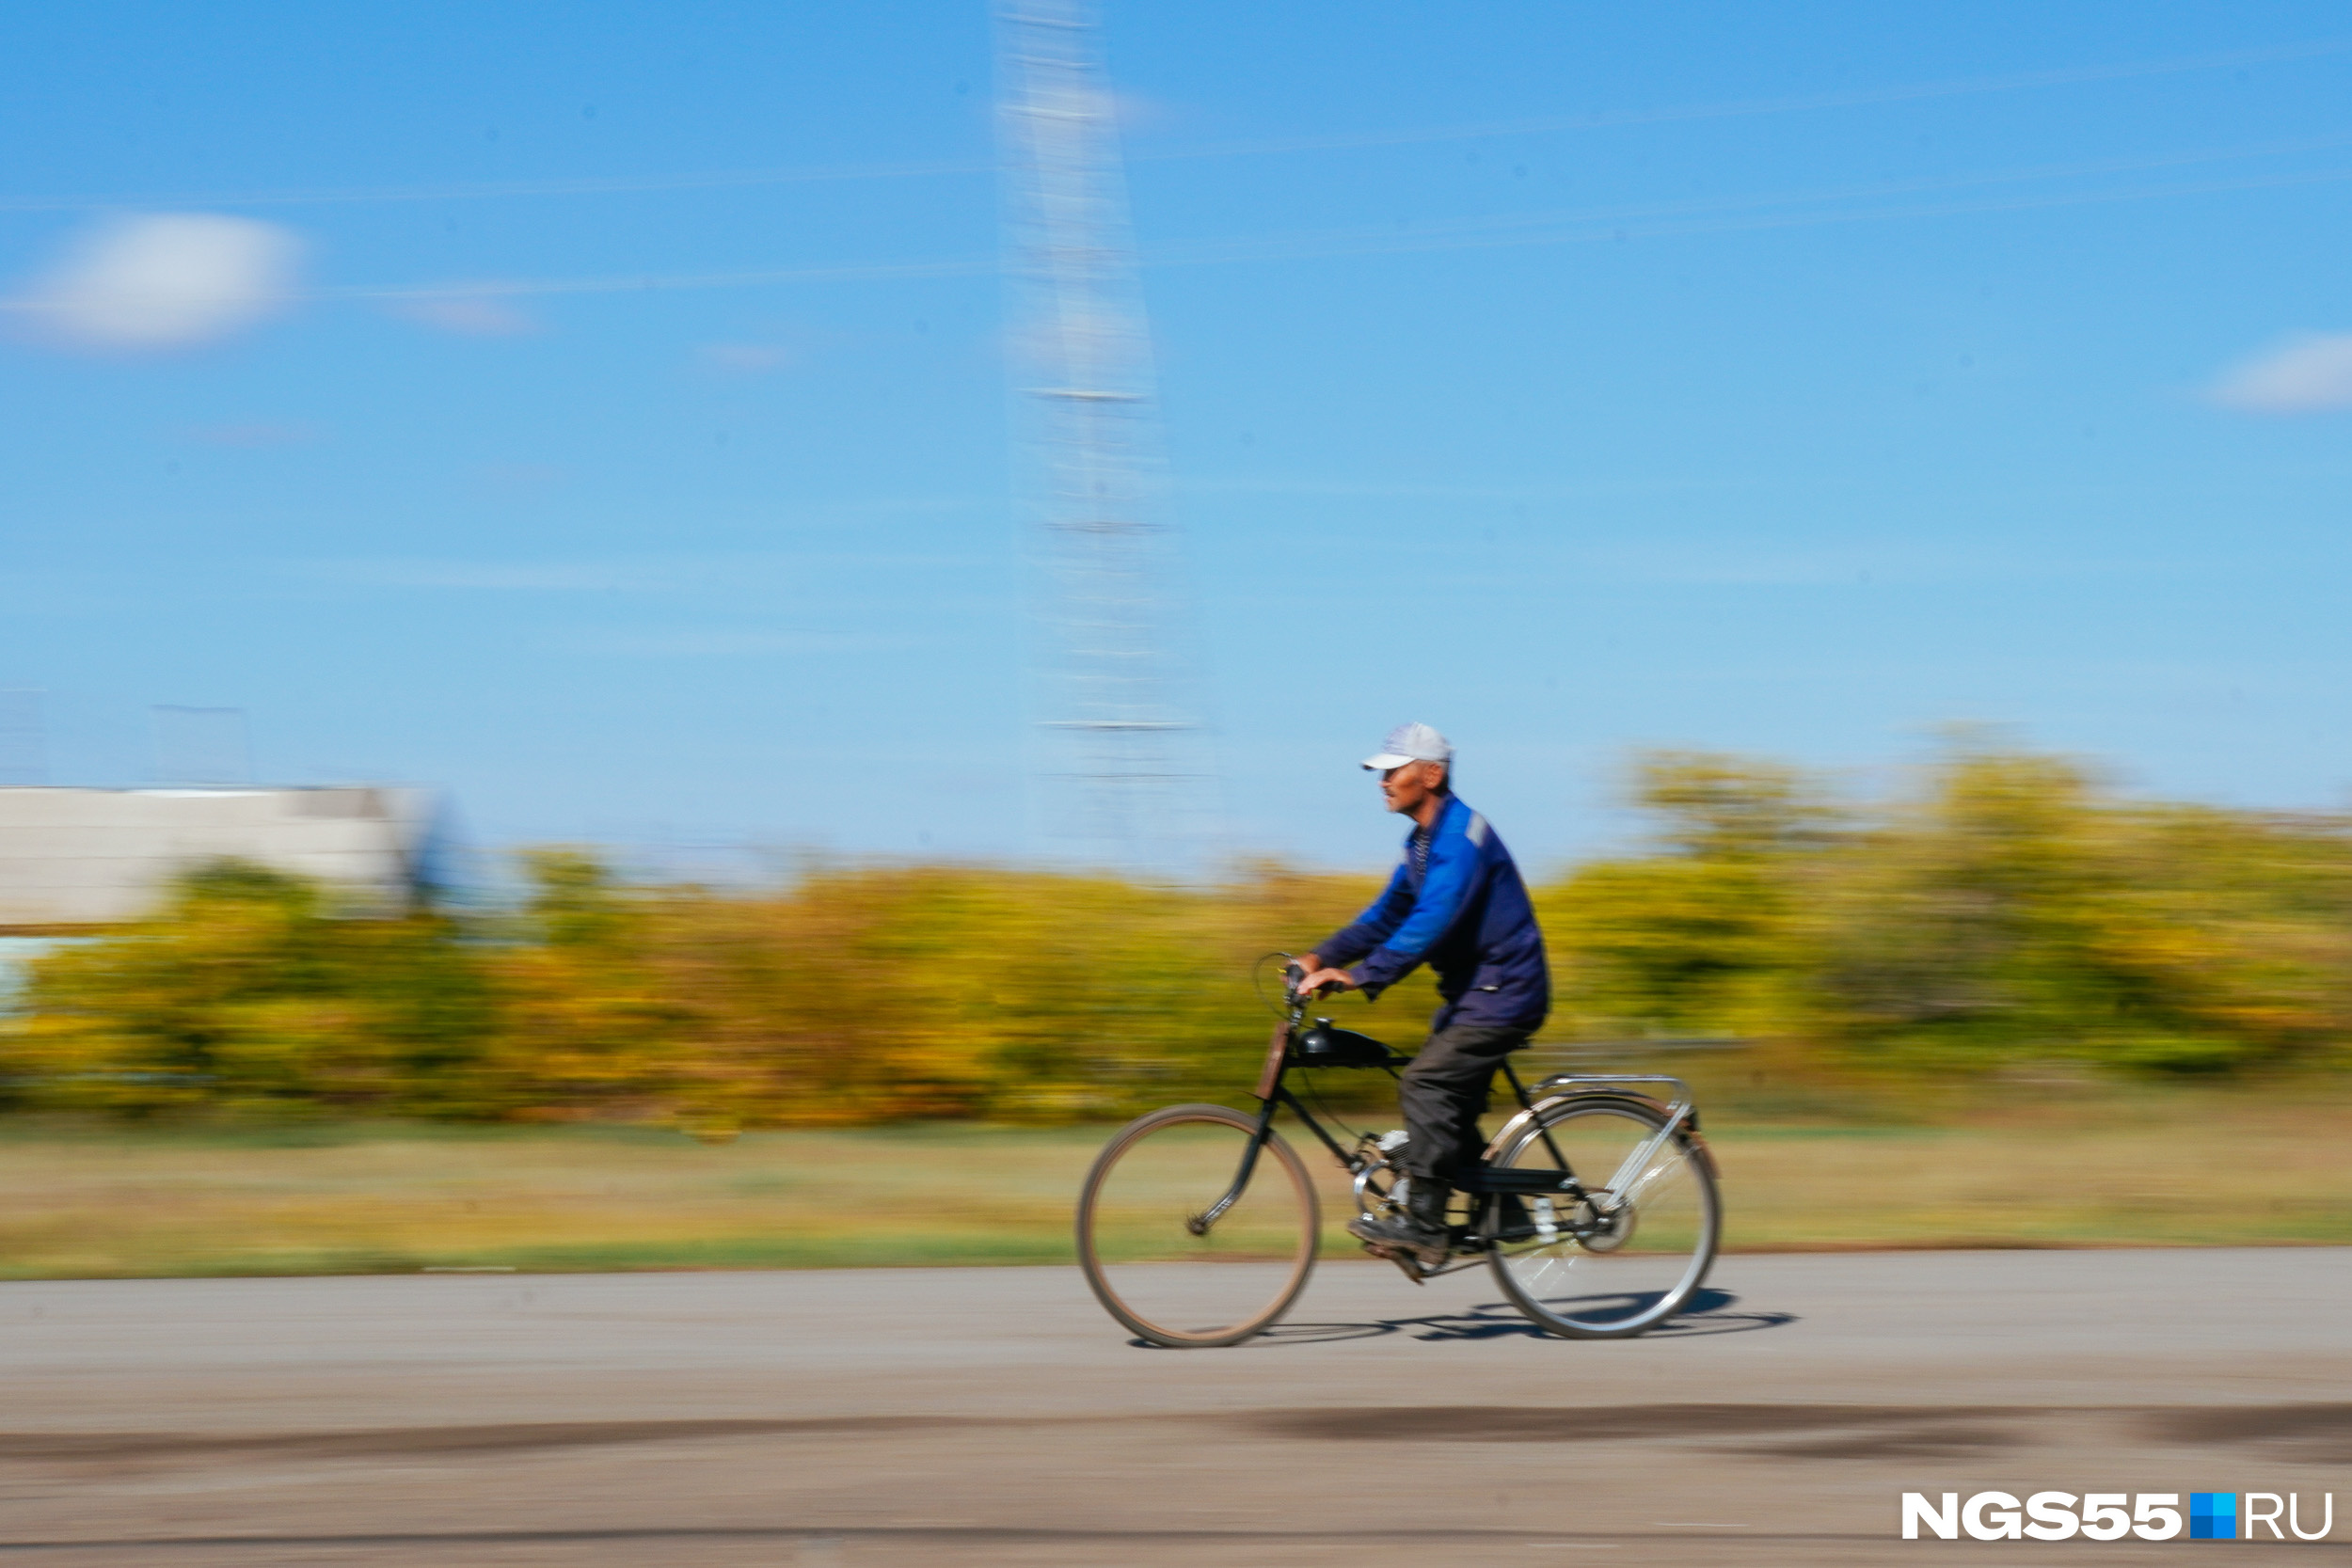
2006, 909
1702, 935
583, 1026
246, 990
2012, 911
869, 992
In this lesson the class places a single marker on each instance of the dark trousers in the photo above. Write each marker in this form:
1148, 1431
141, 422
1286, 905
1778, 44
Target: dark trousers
1444, 1093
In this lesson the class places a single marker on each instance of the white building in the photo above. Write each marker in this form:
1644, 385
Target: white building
76, 861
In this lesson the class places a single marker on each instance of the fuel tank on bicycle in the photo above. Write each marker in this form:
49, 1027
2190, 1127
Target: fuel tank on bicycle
1321, 1045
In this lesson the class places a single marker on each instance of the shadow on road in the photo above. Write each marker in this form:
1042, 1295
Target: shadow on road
1710, 1313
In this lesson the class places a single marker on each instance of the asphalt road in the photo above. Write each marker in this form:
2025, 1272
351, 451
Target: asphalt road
995, 1416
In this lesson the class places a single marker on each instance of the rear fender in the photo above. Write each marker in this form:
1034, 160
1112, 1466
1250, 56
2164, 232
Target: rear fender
1648, 1103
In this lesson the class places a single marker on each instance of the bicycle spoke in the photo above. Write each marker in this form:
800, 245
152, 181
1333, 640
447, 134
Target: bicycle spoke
1155, 1259
1632, 1256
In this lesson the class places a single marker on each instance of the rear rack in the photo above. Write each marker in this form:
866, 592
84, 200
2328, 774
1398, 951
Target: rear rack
1678, 1108
1543, 1057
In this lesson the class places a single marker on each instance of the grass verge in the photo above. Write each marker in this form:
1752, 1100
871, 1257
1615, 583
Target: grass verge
2180, 1167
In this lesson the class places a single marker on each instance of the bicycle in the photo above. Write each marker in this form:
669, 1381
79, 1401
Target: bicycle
1583, 1260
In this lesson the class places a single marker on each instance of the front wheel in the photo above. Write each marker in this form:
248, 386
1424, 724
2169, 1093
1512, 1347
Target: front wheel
1156, 1260
1633, 1252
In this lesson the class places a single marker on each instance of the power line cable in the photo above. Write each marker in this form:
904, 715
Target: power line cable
1563, 227
1335, 141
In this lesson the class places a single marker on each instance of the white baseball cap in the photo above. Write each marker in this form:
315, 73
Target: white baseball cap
1410, 743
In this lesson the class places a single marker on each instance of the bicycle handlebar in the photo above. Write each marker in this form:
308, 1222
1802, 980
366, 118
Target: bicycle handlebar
1294, 1000
1293, 997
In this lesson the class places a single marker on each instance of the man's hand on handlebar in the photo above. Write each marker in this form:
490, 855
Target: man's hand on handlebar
1320, 981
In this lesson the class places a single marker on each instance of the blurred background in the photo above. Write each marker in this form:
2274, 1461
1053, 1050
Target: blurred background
535, 626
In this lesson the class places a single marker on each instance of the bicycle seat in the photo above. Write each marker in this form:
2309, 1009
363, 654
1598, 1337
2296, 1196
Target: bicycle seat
1323, 1046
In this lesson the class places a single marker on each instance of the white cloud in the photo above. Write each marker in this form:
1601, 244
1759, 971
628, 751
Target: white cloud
163, 281
2304, 374
472, 315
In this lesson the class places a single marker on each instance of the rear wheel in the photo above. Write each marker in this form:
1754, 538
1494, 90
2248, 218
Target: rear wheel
1633, 1252
1155, 1260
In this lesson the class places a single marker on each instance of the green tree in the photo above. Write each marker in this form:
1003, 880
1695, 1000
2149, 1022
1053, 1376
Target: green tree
247, 988
2012, 909
1700, 935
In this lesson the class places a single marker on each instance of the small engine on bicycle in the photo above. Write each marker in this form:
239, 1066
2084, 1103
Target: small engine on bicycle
1324, 1045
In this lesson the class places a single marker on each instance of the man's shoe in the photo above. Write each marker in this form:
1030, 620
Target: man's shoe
1401, 1232
1421, 1230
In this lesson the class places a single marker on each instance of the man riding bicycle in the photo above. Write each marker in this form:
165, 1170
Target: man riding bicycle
1457, 904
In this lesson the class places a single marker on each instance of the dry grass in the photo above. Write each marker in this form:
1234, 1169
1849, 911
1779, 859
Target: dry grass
2178, 1168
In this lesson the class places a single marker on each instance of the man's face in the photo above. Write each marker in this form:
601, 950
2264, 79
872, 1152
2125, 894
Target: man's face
1405, 786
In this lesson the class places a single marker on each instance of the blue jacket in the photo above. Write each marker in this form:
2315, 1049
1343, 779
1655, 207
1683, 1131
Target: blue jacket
1457, 904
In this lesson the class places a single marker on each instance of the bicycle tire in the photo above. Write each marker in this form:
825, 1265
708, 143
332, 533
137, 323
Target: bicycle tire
1155, 1178
1617, 1277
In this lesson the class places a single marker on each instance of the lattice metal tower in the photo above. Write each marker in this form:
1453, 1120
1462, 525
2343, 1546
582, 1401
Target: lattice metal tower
1127, 769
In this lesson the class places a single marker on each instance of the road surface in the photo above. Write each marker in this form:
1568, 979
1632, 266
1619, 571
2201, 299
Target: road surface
864, 1418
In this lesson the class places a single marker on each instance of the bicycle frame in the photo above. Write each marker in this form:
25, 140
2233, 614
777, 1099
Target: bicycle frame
1274, 1094
1646, 1196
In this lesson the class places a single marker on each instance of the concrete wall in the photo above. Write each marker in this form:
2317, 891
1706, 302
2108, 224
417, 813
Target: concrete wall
95, 857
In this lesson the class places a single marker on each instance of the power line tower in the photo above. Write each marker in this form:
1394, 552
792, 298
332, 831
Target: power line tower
1128, 774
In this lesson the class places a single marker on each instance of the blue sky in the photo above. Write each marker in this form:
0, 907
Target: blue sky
1788, 379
